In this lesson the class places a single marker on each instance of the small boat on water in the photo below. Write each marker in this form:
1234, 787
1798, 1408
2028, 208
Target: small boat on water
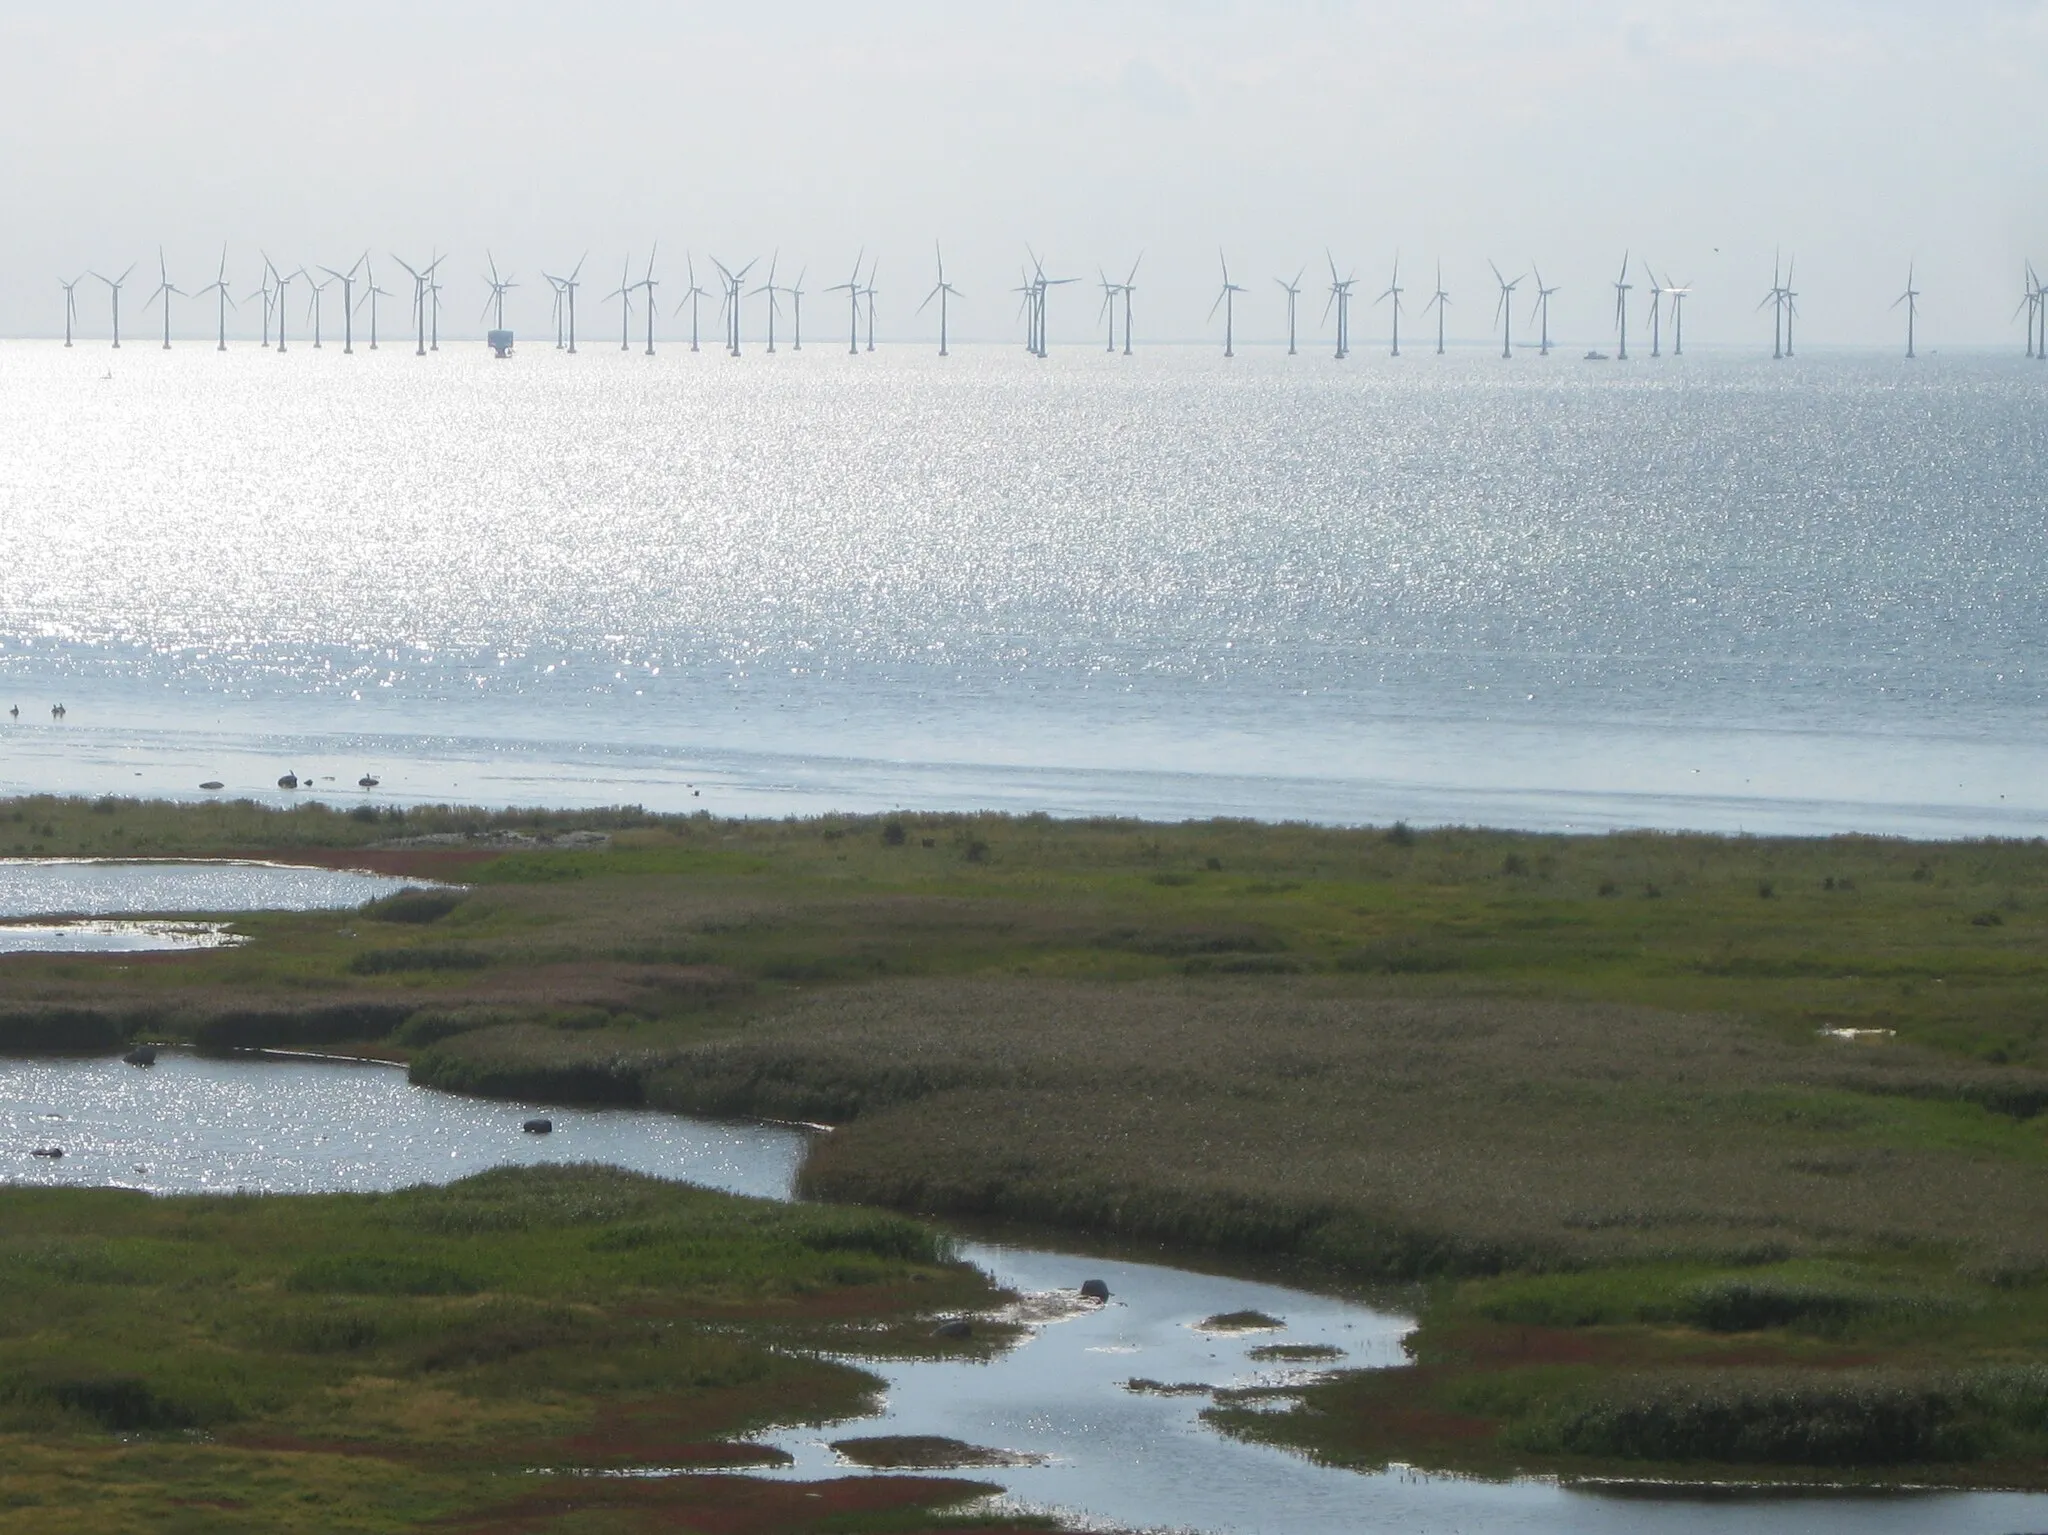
1596, 357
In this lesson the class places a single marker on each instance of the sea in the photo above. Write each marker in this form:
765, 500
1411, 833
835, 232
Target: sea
1713, 592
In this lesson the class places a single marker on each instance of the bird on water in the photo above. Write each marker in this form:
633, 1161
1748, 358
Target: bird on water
289, 781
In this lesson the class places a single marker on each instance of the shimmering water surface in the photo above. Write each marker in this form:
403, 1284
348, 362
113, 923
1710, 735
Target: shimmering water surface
188, 1125
107, 887
1706, 591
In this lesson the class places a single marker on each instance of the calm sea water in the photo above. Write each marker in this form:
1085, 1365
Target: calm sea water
1708, 592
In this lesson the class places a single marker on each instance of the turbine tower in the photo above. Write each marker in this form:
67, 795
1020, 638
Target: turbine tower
796, 309
1340, 300
219, 286
1791, 304
774, 301
419, 300
500, 286
1440, 302
1911, 299
280, 284
114, 291
1678, 293
1227, 302
163, 291
692, 297
851, 288
348, 302
1776, 299
650, 282
1127, 287
944, 291
265, 293
371, 293
1109, 296
71, 310
565, 292
1656, 312
313, 304
1621, 291
1541, 310
1293, 292
2030, 301
869, 293
624, 294
1394, 292
729, 303
1504, 311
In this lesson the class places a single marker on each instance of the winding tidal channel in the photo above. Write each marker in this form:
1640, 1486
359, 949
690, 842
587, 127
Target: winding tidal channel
1110, 1455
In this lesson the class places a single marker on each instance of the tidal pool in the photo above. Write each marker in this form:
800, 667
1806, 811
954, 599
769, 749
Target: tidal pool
112, 888
1137, 1459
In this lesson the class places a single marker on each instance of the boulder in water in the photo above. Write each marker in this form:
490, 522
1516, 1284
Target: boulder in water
539, 1127
141, 1055
1095, 1290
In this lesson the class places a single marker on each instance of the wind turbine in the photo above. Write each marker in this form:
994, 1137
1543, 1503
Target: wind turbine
624, 294
220, 286
1504, 311
1776, 299
1129, 286
1394, 292
434, 297
943, 291
1656, 312
1340, 299
566, 288
1441, 301
1791, 304
851, 288
280, 284
500, 286
71, 310
265, 292
774, 302
114, 290
1911, 299
1227, 302
730, 303
2029, 301
1293, 292
1542, 308
348, 302
796, 309
692, 297
1621, 290
419, 300
313, 305
869, 293
1678, 293
650, 282
1109, 295
163, 291
1039, 285
372, 293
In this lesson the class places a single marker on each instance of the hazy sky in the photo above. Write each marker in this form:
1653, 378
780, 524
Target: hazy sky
1858, 135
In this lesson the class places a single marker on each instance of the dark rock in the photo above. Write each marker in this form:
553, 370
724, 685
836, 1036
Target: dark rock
141, 1055
1095, 1290
47, 1151
539, 1127
958, 1327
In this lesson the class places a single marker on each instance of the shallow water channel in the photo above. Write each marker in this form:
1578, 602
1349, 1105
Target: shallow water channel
1112, 1455
106, 896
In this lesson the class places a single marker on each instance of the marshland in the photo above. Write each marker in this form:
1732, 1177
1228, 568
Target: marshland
1694, 1156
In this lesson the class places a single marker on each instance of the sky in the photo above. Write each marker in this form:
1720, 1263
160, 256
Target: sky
1858, 138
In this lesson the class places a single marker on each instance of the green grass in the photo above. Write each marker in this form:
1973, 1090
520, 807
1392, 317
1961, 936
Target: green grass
1460, 1056
397, 1359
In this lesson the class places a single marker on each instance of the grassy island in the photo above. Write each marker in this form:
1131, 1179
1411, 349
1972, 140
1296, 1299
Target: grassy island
1697, 1155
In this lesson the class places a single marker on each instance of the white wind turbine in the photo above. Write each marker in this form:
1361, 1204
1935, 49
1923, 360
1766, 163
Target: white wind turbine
1226, 300
1621, 291
348, 302
1541, 309
1441, 301
162, 293
219, 287
1504, 311
1394, 292
114, 291
944, 291
1911, 299
71, 310
1293, 292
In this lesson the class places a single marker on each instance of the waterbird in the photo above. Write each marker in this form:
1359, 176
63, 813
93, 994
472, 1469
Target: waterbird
15, 711
366, 782
212, 784
289, 781
56, 711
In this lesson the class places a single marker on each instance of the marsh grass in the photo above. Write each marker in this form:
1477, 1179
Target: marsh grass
461, 1332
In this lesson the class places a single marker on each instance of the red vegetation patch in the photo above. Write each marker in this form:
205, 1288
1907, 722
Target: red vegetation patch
715, 1505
